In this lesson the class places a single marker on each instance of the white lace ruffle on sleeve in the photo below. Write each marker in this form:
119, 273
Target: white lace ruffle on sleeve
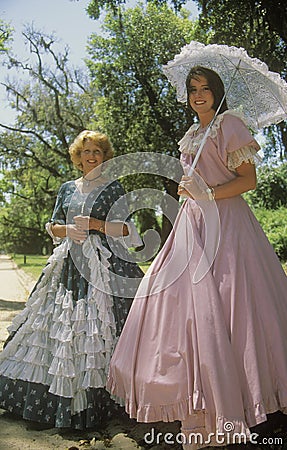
191, 141
133, 239
56, 240
247, 154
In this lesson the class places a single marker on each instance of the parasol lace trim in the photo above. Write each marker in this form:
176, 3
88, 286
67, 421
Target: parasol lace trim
193, 137
265, 108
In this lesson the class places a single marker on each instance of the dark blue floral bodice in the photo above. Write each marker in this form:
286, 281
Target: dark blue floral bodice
106, 202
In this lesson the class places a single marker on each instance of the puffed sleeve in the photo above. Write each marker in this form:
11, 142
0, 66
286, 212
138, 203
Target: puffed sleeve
246, 154
235, 142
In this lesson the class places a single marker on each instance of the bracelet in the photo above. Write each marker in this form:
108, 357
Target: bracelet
211, 194
102, 227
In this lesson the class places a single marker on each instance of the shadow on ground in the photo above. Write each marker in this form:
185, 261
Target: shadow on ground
123, 433
8, 305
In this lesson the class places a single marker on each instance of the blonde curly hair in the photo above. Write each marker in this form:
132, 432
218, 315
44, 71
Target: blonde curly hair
98, 138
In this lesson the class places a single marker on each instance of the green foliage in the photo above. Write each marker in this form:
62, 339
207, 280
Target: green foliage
5, 36
115, 6
245, 24
271, 189
274, 224
269, 203
138, 107
275, 148
53, 104
29, 201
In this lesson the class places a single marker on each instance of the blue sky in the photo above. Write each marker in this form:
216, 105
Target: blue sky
66, 18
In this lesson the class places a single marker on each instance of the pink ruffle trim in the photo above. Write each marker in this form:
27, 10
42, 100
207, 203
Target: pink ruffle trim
181, 410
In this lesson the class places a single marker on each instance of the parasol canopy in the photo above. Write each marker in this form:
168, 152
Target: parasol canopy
251, 88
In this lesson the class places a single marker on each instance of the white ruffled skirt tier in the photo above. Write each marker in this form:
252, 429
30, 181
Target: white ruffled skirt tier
62, 343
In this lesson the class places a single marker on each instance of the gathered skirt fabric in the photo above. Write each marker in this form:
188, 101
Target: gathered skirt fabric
53, 369
214, 350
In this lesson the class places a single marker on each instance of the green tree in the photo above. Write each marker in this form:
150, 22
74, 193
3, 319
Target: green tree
271, 188
264, 16
53, 103
138, 107
269, 203
270, 15
115, 6
5, 36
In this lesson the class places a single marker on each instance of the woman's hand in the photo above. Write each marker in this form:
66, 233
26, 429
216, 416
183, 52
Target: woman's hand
85, 223
82, 222
195, 187
182, 189
77, 235
115, 229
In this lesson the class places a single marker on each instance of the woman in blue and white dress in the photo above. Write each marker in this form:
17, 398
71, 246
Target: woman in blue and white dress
54, 365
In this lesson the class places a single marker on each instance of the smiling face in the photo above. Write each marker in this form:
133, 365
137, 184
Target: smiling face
200, 77
89, 149
201, 98
91, 156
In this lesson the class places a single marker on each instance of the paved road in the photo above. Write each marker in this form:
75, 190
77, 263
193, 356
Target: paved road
14, 290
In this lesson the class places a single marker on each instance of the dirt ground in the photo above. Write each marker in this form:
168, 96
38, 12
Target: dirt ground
17, 434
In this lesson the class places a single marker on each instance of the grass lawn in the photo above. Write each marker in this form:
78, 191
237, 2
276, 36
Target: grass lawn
33, 266
35, 263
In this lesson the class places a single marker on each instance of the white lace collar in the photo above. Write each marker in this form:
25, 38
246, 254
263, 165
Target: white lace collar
193, 137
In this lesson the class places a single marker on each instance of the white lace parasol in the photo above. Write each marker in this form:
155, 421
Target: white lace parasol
261, 95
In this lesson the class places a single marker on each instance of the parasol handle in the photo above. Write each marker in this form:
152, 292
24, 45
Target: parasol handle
198, 153
212, 122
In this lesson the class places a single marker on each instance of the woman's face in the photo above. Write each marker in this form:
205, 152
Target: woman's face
201, 98
91, 156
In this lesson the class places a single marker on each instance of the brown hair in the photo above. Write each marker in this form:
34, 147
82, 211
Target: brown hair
98, 138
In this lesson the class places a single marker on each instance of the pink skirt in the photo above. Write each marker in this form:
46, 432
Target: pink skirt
214, 350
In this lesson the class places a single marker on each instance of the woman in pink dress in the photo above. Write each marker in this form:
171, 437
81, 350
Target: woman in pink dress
211, 353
